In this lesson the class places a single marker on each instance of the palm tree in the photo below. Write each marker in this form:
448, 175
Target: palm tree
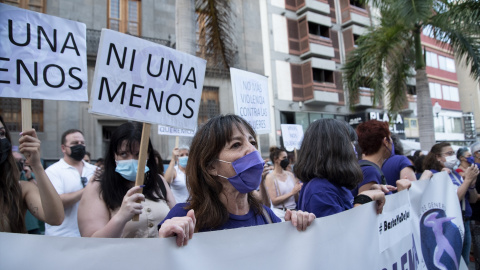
391, 51
215, 30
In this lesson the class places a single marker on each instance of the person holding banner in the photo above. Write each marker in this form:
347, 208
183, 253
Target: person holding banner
175, 174
435, 161
328, 167
377, 146
282, 186
223, 170
17, 196
110, 201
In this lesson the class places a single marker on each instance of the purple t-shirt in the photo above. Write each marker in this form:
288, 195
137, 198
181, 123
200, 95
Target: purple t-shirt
370, 174
235, 221
323, 198
391, 168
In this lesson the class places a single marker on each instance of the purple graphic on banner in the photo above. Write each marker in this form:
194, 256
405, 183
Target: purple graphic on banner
441, 240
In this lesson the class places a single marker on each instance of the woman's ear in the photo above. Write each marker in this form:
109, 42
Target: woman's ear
211, 169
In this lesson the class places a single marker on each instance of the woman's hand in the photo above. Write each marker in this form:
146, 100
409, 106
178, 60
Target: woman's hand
403, 184
301, 220
471, 175
175, 153
378, 196
130, 206
181, 227
427, 174
296, 189
30, 147
384, 188
446, 170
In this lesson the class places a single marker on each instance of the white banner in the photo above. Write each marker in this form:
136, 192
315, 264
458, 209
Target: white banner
171, 131
42, 56
140, 80
250, 95
292, 136
354, 239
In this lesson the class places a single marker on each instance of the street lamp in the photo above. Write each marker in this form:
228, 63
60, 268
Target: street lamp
437, 108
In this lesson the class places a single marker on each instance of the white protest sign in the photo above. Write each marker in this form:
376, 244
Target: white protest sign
250, 95
348, 240
42, 56
171, 131
292, 136
140, 80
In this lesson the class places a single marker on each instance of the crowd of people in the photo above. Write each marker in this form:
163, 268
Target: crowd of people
220, 181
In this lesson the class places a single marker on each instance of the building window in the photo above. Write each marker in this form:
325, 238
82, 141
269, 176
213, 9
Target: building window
355, 40
322, 75
10, 110
432, 60
453, 125
357, 3
318, 30
438, 123
411, 90
209, 105
435, 90
35, 5
125, 16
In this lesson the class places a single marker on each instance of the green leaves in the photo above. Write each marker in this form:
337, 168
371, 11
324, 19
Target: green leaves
216, 31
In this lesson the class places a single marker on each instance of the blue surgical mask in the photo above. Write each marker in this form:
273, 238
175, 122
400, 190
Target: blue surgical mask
182, 161
128, 169
249, 169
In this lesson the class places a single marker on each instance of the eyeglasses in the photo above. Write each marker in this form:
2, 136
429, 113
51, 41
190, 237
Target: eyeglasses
84, 180
451, 153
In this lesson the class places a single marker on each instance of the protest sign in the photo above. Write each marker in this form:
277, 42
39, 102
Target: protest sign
348, 240
41, 56
171, 131
292, 136
140, 80
250, 96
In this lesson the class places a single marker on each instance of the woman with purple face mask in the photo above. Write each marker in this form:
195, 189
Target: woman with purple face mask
223, 170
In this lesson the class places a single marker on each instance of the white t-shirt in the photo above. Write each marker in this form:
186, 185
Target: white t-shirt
66, 179
179, 186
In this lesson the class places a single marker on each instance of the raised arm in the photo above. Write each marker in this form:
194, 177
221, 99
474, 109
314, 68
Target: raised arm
170, 173
42, 200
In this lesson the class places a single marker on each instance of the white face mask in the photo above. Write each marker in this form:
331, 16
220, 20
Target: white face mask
450, 162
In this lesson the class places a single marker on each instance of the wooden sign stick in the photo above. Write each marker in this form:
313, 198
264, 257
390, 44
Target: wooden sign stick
26, 107
142, 160
177, 140
295, 153
26, 114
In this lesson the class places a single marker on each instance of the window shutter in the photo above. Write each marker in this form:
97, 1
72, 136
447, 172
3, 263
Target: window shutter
307, 80
303, 35
293, 41
297, 82
291, 5
348, 40
335, 44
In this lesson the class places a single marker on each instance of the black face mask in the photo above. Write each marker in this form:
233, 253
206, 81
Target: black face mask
284, 163
78, 152
5, 147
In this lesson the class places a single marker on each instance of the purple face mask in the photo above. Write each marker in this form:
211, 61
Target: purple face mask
249, 169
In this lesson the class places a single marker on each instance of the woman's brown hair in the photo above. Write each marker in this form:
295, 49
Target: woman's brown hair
11, 202
430, 162
204, 190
